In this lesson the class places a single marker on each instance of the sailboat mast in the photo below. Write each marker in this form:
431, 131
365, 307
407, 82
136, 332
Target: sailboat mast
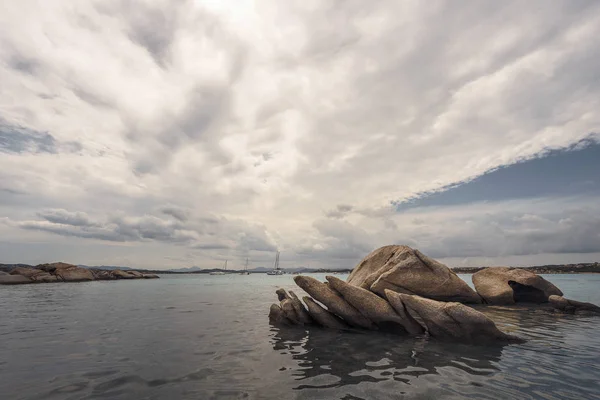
246, 267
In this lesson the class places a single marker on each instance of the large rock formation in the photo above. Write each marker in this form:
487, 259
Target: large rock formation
572, 306
405, 270
505, 285
63, 272
398, 313
398, 289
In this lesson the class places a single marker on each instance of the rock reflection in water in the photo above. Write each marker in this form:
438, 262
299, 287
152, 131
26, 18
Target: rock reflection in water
329, 358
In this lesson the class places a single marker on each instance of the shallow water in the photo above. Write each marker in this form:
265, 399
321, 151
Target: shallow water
208, 337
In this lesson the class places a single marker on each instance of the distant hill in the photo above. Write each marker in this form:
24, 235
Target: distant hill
191, 270
107, 267
9, 267
544, 269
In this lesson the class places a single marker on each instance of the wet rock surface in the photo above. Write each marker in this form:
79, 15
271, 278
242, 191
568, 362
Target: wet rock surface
63, 272
505, 285
572, 306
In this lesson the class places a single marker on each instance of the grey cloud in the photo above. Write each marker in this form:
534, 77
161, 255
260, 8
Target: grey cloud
60, 216
212, 246
206, 106
209, 102
24, 64
343, 239
73, 231
153, 28
89, 97
571, 230
207, 233
176, 212
340, 211
415, 83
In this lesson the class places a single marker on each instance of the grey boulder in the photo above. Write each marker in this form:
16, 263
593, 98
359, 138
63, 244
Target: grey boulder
406, 270
505, 285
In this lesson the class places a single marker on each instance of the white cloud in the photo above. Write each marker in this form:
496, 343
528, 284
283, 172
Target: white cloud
270, 116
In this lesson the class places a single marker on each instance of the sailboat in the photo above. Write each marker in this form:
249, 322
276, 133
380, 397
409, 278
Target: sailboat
245, 271
276, 270
220, 272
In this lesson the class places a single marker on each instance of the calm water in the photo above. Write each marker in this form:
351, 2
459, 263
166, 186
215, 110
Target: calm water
208, 337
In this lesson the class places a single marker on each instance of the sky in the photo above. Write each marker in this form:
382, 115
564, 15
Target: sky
168, 134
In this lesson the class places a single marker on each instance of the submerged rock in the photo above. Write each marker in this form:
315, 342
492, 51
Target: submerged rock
505, 285
449, 320
572, 306
276, 316
375, 308
14, 279
405, 270
322, 316
334, 302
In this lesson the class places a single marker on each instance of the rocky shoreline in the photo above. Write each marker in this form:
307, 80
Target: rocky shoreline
63, 272
398, 289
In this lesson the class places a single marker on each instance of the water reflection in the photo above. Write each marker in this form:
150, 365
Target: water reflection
329, 358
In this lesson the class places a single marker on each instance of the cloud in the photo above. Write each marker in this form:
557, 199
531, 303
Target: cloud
175, 212
65, 217
299, 134
196, 232
340, 211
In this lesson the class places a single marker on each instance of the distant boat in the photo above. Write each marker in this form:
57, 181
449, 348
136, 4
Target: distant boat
245, 271
276, 270
220, 272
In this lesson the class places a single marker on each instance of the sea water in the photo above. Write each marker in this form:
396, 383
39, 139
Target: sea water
208, 337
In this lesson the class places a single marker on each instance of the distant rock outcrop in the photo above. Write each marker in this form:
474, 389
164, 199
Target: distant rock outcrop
505, 285
63, 272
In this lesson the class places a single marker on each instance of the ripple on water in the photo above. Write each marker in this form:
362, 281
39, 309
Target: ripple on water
182, 338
